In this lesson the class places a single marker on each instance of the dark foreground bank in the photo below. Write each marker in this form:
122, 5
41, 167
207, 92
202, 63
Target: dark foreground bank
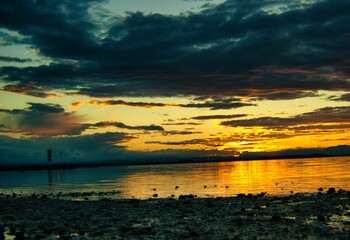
299, 216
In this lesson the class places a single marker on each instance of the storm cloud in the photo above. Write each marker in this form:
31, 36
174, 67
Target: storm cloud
319, 116
262, 49
212, 105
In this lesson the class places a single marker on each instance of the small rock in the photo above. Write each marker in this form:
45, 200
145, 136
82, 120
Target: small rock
262, 194
186, 196
137, 230
39, 236
341, 191
331, 190
236, 219
155, 195
176, 187
10, 218
240, 195
46, 232
320, 189
19, 236
276, 217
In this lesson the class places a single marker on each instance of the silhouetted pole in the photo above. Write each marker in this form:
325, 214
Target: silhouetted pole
49, 177
49, 157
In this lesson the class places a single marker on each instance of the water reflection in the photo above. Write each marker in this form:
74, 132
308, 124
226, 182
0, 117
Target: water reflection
275, 177
49, 178
203, 179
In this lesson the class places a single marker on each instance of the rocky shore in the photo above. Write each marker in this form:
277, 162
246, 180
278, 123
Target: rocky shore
298, 216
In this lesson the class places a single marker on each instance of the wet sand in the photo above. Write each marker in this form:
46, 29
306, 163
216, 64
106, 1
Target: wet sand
298, 216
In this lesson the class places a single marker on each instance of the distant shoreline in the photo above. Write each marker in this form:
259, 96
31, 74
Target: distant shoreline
64, 166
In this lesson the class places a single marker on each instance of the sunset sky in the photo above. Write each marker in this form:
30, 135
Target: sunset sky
117, 80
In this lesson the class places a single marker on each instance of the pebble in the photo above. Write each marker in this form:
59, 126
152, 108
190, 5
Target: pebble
276, 217
19, 236
186, 196
138, 230
331, 190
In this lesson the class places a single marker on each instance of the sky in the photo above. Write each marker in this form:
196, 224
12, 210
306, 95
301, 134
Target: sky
98, 80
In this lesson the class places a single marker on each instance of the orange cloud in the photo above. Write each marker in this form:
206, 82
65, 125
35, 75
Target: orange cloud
123, 103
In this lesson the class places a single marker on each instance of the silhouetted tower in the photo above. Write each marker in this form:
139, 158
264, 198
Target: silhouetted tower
49, 157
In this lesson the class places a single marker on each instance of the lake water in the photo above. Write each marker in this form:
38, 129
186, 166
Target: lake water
276, 177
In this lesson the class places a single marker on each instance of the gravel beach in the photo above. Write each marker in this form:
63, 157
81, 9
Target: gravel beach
298, 216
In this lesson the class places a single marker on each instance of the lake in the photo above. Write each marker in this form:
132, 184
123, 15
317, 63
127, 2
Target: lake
276, 177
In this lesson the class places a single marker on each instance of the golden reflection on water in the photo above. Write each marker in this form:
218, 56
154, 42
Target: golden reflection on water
276, 177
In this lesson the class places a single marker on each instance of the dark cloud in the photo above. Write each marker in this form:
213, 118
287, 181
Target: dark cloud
121, 103
182, 123
42, 120
45, 108
187, 142
285, 95
52, 24
14, 59
122, 125
342, 98
52, 120
174, 132
28, 89
319, 116
197, 0
237, 48
212, 105
208, 117
321, 128
217, 105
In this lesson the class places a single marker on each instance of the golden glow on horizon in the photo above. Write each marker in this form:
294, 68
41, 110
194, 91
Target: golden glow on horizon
182, 131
